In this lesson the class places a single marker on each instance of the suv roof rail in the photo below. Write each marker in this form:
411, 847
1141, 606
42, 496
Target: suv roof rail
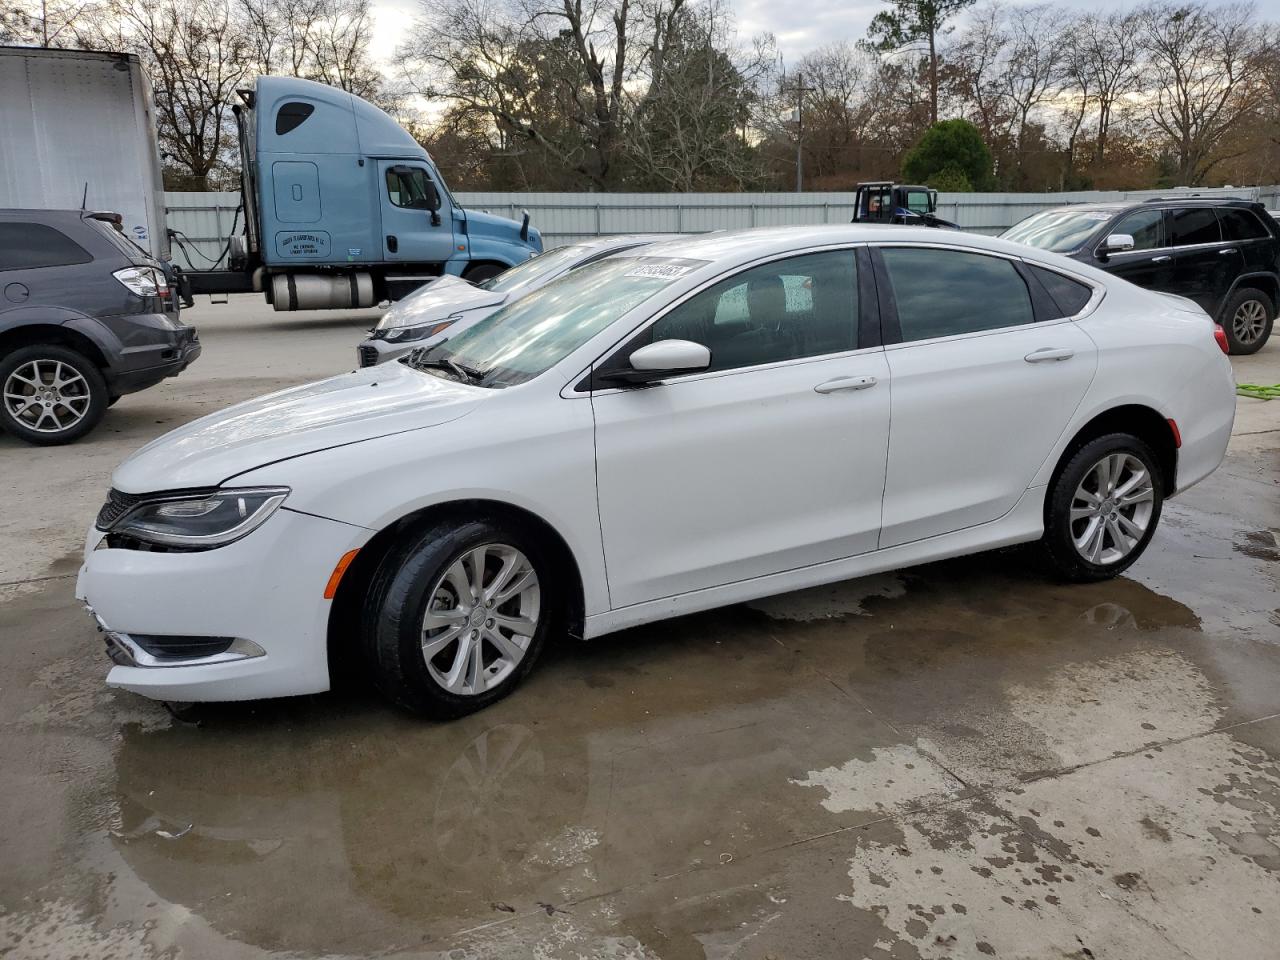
1193, 196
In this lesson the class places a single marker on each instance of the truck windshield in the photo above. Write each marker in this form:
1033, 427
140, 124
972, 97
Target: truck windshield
1060, 231
535, 271
531, 335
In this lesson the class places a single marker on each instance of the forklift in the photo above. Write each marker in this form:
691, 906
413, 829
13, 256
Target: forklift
880, 201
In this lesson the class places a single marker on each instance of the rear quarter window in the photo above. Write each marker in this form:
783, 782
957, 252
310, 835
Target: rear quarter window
1070, 296
1242, 225
25, 246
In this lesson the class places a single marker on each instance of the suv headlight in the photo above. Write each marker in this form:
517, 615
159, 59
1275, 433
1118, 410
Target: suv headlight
200, 521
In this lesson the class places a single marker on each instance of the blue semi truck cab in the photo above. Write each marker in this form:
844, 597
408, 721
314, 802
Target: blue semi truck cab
343, 208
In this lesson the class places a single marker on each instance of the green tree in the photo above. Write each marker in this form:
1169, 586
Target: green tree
951, 147
911, 23
950, 179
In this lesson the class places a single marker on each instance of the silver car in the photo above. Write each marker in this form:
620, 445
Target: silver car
448, 305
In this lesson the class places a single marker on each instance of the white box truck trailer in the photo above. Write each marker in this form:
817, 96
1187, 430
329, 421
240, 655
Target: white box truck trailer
77, 131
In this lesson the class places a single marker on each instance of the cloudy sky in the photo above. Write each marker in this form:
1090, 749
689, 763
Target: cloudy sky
799, 27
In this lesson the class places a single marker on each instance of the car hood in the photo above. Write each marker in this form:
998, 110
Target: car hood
369, 403
438, 300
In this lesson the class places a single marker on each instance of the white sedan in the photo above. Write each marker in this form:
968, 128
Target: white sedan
711, 420
446, 306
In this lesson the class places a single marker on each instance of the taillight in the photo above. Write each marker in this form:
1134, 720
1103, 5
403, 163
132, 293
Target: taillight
144, 281
1221, 336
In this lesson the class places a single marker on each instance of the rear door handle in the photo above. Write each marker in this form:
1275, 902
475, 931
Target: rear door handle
1049, 353
1161, 259
1227, 252
845, 383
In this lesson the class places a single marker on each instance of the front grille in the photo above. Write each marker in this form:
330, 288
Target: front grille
117, 505
368, 356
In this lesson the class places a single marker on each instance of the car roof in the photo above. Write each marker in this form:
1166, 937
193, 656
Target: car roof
746, 245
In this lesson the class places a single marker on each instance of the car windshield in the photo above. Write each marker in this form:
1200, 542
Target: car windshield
1060, 231
530, 335
535, 271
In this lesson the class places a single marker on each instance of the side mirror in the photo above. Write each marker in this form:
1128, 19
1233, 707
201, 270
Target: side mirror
1117, 243
657, 361
433, 197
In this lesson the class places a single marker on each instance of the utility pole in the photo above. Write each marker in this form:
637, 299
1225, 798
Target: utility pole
800, 91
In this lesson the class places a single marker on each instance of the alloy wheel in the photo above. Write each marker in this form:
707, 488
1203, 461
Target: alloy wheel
1249, 322
481, 618
47, 396
1111, 509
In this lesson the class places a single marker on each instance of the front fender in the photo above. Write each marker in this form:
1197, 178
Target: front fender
503, 451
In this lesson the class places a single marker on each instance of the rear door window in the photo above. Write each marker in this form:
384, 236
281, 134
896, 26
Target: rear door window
1194, 225
24, 246
941, 293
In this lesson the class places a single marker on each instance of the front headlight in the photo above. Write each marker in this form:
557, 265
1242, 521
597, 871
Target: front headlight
200, 521
410, 334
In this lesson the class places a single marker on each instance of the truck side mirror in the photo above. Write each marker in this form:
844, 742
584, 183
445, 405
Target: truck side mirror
433, 197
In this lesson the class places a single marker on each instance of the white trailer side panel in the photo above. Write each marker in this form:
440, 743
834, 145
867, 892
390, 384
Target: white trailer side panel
77, 129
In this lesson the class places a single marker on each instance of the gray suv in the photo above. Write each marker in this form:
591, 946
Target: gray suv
85, 317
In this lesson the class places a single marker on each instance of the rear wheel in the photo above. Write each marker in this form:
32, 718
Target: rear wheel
1247, 320
50, 394
456, 616
1103, 508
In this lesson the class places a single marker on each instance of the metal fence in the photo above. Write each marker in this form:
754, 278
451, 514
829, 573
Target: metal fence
206, 219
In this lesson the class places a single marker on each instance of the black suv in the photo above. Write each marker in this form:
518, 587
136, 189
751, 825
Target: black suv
85, 317
1223, 254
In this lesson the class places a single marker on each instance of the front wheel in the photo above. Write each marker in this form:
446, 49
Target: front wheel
457, 615
482, 272
1103, 508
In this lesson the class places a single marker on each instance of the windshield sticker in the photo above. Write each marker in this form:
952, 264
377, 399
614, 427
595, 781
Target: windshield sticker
659, 271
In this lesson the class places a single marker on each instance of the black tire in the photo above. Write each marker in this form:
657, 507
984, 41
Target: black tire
94, 388
1058, 543
482, 272
1244, 337
398, 598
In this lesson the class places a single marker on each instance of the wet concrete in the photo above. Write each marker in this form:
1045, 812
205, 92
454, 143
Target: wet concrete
962, 760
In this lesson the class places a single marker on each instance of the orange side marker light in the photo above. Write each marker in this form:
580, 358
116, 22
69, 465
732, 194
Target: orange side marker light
335, 578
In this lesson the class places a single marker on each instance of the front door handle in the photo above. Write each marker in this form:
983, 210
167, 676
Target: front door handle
845, 383
1049, 353
1161, 259
393, 244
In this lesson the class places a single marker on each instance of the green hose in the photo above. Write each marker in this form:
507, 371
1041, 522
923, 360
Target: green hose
1258, 392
